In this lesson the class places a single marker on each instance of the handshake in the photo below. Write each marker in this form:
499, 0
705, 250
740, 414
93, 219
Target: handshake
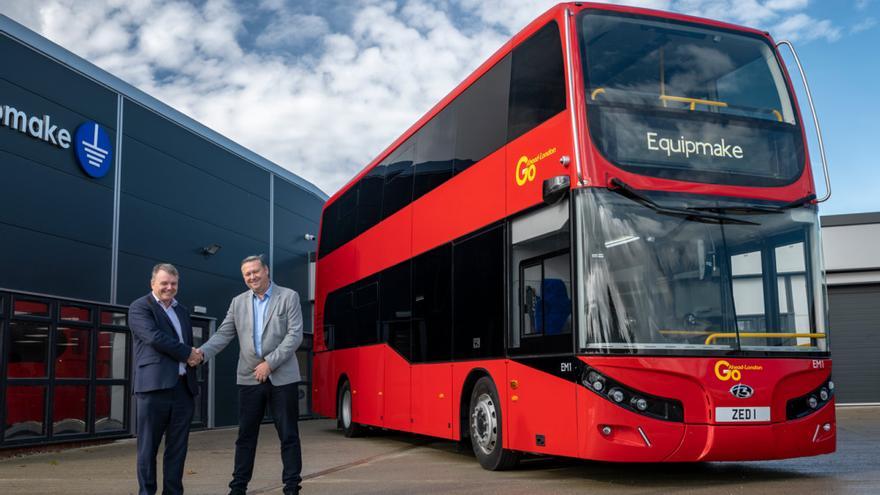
196, 357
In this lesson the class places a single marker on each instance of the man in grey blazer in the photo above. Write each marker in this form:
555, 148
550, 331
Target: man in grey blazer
268, 322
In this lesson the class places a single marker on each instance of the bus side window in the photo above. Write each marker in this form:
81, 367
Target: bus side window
395, 300
339, 320
369, 203
537, 81
366, 309
329, 230
347, 205
481, 116
435, 146
397, 190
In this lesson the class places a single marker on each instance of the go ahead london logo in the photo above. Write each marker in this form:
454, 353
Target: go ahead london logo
93, 150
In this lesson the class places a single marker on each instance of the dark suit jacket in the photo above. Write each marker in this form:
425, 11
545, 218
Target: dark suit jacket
157, 349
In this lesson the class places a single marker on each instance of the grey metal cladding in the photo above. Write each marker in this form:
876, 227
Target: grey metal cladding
39, 74
81, 272
166, 136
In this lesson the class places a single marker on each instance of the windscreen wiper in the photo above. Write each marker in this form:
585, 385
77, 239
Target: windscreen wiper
755, 209
628, 192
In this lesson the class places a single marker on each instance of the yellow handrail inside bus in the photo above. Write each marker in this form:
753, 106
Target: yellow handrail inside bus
777, 114
693, 101
596, 92
769, 335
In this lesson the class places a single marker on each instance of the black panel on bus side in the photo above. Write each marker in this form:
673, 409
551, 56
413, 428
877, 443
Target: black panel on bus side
369, 204
397, 191
481, 116
537, 81
395, 296
479, 296
365, 300
435, 146
432, 305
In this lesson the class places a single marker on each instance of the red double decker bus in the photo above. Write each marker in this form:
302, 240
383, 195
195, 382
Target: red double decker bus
603, 244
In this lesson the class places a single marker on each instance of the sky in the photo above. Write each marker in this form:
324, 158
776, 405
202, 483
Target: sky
321, 87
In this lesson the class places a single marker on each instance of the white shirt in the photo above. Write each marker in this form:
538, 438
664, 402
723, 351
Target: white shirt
172, 315
260, 308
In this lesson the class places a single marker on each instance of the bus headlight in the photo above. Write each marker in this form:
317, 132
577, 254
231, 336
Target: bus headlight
630, 398
639, 403
594, 380
811, 402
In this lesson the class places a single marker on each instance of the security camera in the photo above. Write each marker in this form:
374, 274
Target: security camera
309, 237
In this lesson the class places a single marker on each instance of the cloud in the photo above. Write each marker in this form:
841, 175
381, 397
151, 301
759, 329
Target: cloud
292, 30
863, 25
322, 88
801, 27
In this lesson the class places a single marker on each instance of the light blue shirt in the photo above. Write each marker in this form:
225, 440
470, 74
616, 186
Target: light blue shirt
172, 315
260, 309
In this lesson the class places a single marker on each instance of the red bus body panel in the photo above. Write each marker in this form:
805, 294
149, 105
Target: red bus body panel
701, 437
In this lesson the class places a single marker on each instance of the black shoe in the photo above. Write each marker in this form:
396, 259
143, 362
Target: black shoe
237, 491
291, 491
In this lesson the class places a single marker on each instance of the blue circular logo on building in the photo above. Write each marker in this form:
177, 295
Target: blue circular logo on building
93, 150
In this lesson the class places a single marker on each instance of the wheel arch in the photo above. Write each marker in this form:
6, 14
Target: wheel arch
343, 377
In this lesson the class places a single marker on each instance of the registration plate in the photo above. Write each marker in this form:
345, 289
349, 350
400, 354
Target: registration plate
741, 414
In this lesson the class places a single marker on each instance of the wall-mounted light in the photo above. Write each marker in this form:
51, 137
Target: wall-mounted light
210, 250
309, 237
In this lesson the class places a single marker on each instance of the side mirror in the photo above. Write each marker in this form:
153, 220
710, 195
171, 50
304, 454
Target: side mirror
555, 188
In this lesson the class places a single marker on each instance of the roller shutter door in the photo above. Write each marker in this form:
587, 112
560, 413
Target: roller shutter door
855, 342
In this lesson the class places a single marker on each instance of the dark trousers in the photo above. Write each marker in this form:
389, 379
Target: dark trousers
283, 404
166, 412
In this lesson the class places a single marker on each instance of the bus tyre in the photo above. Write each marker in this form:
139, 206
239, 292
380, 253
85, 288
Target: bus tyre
486, 428
345, 408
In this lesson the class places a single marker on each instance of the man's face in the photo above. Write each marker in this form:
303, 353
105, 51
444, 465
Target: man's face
256, 276
164, 286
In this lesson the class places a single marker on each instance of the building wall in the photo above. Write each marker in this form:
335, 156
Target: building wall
60, 220
849, 244
852, 264
180, 191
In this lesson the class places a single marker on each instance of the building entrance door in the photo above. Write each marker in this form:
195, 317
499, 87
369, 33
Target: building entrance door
202, 329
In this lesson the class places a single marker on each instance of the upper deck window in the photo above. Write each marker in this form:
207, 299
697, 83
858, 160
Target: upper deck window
679, 101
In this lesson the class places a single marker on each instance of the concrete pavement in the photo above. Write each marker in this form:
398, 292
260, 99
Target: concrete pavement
391, 463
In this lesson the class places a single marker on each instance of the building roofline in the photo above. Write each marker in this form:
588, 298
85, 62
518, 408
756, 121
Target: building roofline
104, 78
851, 219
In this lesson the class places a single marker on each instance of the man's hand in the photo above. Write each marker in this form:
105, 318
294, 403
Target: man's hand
261, 372
195, 357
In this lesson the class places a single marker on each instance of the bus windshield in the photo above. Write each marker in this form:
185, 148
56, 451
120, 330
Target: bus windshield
679, 101
653, 281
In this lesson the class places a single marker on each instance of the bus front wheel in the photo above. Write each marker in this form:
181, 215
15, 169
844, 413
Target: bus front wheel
486, 428
345, 409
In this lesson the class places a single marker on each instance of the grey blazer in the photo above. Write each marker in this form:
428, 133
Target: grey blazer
282, 335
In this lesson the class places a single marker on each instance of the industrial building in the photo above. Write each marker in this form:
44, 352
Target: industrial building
100, 182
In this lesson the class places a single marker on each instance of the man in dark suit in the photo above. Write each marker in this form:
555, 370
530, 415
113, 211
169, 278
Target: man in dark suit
163, 383
267, 319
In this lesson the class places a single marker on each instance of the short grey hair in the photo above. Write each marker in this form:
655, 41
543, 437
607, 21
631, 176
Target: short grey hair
255, 257
165, 267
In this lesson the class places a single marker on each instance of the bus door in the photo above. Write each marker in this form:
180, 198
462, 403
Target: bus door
540, 412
